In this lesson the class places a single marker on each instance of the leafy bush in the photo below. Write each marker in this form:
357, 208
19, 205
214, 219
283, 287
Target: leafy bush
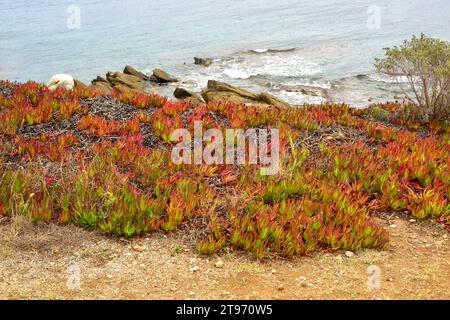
425, 63
380, 114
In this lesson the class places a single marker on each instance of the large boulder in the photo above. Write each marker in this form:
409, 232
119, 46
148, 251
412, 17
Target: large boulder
181, 93
272, 100
220, 91
206, 62
80, 85
101, 86
99, 79
65, 81
132, 71
127, 80
225, 96
186, 95
124, 89
216, 87
161, 76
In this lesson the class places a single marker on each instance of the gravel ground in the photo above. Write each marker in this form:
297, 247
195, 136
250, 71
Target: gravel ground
42, 262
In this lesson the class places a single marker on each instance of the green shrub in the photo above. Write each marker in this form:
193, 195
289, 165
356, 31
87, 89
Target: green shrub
425, 62
380, 114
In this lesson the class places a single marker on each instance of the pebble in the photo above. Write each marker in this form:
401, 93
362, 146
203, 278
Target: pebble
412, 220
219, 264
393, 226
194, 269
349, 254
139, 248
280, 287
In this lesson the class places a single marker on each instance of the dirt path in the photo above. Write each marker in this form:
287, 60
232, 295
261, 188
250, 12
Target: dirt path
36, 261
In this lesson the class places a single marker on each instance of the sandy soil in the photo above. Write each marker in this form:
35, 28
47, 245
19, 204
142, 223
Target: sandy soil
41, 262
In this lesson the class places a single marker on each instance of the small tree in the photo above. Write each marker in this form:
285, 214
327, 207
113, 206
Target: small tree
425, 63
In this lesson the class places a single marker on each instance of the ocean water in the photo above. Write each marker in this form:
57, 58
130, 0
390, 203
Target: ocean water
332, 43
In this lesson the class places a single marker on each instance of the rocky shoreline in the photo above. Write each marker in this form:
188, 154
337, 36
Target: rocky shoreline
133, 80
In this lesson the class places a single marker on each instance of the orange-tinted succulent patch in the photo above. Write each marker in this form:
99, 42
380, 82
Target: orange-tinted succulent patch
60, 162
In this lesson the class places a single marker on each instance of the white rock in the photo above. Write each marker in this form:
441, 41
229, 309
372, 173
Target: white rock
349, 254
64, 81
194, 269
219, 264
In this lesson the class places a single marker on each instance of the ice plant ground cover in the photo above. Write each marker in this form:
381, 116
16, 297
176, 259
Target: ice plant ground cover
104, 162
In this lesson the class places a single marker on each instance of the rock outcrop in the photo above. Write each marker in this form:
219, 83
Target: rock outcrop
272, 100
101, 87
186, 95
101, 84
161, 76
309, 91
130, 80
127, 80
124, 89
132, 71
206, 62
220, 91
80, 85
